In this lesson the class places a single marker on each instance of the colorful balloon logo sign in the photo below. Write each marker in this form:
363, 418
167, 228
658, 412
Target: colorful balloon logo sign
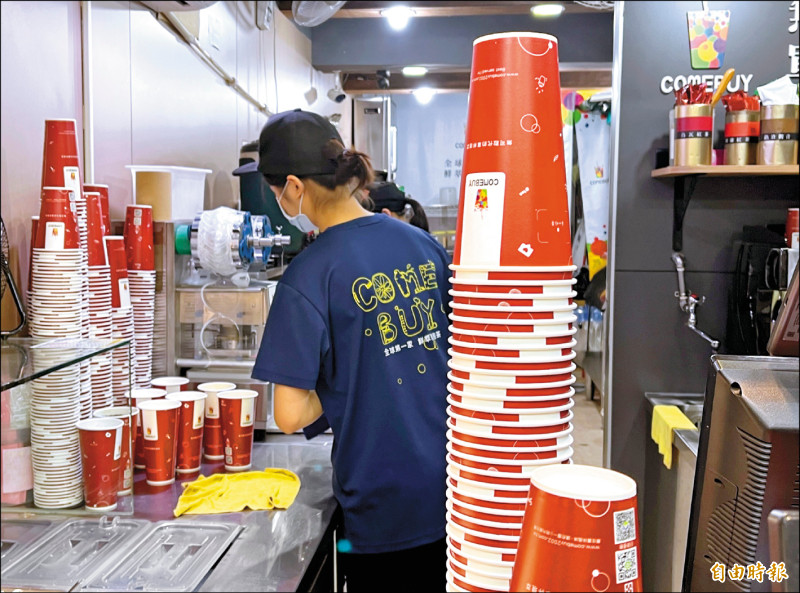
708, 35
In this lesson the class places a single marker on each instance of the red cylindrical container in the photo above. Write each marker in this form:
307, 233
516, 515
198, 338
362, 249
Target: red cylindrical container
58, 222
115, 254
95, 229
137, 397
130, 420
139, 237
585, 518
61, 164
103, 191
160, 431
190, 429
513, 208
101, 451
213, 448
792, 227
237, 410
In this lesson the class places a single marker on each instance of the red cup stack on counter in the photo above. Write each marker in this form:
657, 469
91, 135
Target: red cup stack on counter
140, 257
122, 326
511, 343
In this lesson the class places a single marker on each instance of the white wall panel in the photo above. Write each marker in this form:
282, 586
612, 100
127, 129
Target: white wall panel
41, 79
154, 101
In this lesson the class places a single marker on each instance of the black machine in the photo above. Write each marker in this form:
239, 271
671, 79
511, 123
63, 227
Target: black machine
752, 305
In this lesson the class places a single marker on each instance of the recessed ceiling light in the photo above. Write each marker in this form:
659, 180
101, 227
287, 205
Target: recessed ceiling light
415, 71
547, 10
424, 95
398, 16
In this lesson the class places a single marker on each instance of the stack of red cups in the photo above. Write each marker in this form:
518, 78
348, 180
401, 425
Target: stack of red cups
140, 257
511, 353
122, 327
99, 275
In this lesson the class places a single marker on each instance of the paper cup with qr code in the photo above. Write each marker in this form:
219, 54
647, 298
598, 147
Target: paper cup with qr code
584, 518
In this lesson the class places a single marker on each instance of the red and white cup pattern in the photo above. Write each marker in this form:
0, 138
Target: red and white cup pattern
190, 429
160, 437
213, 444
237, 409
101, 454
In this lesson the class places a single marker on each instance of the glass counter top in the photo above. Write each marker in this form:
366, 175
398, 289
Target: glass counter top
25, 359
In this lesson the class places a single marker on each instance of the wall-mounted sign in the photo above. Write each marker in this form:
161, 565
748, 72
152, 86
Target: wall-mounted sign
708, 40
708, 37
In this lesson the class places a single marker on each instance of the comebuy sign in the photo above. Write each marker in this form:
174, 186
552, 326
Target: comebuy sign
670, 84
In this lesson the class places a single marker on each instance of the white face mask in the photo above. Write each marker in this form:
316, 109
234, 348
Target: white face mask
301, 221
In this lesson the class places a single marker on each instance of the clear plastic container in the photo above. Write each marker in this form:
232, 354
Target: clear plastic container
17, 534
174, 556
175, 193
595, 330
72, 552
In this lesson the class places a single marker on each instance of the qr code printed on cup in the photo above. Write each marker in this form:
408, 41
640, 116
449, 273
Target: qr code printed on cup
624, 526
627, 566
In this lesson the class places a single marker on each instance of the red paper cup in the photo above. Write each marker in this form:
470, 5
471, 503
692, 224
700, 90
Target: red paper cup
550, 423
138, 234
527, 301
477, 384
137, 397
511, 405
190, 429
115, 255
546, 327
57, 227
160, 431
213, 448
170, 384
481, 488
513, 208
544, 434
555, 440
792, 226
34, 228
237, 410
101, 451
479, 390
530, 276
95, 229
482, 284
534, 353
61, 165
583, 517
507, 339
103, 191
130, 420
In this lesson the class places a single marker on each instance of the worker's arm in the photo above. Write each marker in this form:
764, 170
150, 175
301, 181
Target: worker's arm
295, 408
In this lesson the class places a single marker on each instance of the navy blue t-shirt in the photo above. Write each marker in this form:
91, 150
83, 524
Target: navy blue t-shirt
361, 316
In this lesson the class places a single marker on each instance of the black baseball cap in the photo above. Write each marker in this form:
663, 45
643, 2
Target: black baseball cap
385, 194
292, 143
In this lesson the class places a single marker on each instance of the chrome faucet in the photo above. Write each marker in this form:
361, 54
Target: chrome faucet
688, 302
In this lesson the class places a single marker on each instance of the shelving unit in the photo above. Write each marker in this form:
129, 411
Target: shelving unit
686, 181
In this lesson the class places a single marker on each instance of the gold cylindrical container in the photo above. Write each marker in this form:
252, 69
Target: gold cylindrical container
693, 134
741, 136
778, 142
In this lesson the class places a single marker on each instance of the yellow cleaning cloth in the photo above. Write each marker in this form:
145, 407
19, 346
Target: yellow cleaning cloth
230, 493
665, 420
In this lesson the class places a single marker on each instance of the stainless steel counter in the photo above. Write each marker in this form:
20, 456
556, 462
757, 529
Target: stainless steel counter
275, 549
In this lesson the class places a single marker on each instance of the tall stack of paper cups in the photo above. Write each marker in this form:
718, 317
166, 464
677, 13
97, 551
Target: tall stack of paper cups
512, 315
